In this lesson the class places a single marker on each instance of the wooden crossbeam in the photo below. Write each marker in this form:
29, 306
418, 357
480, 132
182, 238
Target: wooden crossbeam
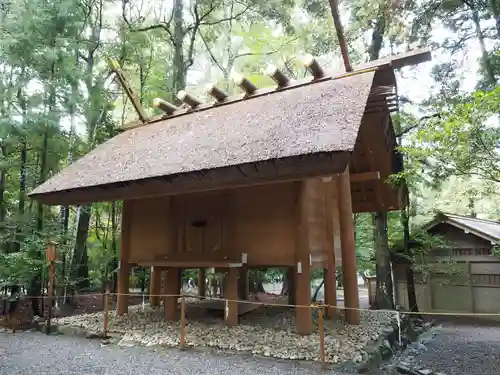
115, 67
365, 176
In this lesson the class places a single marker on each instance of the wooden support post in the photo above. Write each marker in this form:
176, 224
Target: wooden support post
351, 295
302, 257
329, 271
124, 270
172, 291
243, 287
201, 282
231, 295
154, 287
290, 274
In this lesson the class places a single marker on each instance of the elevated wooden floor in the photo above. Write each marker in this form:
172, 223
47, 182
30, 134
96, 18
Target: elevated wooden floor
220, 305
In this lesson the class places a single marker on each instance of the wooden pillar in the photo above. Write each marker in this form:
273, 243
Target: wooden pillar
172, 288
243, 287
124, 266
201, 282
351, 295
231, 293
154, 287
329, 272
290, 274
302, 258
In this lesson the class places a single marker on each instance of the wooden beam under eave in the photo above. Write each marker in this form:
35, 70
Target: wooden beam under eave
188, 264
365, 176
293, 169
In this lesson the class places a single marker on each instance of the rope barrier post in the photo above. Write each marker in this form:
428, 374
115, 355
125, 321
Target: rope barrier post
50, 253
106, 312
321, 338
183, 324
398, 317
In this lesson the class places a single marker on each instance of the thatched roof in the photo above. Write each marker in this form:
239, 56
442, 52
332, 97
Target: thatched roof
299, 129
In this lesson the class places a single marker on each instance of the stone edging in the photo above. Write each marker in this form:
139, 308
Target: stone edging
407, 371
388, 344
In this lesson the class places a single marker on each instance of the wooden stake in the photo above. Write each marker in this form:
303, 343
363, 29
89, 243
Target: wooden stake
106, 312
50, 294
115, 67
321, 338
51, 257
230, 293
183, 324
334, 6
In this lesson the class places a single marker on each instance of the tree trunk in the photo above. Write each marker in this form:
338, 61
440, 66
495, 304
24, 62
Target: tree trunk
284, 287
36, 283
65, 209
79, 264
487, 65
15, 246
179, 65
3, 176
340, 277
410, 280
114, 247
316, 292
384, 289
255, 282
495, 10
377, 37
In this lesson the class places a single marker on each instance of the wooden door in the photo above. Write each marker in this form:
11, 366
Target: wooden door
200, 223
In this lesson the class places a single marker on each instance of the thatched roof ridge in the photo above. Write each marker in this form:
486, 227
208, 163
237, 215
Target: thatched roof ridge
320, 118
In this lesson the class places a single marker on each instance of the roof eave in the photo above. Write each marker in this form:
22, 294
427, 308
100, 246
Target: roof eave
443, 218
266, 172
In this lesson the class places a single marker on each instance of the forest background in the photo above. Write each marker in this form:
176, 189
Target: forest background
59, 100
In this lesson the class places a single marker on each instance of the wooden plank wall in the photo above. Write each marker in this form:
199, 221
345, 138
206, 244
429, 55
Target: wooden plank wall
258, 221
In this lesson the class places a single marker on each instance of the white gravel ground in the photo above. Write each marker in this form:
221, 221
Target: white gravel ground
457, 350
31, 353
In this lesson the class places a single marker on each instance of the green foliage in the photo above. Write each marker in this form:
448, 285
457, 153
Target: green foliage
495, 250
464, 141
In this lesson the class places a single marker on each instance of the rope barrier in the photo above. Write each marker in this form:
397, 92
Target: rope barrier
260, 303
320, 308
